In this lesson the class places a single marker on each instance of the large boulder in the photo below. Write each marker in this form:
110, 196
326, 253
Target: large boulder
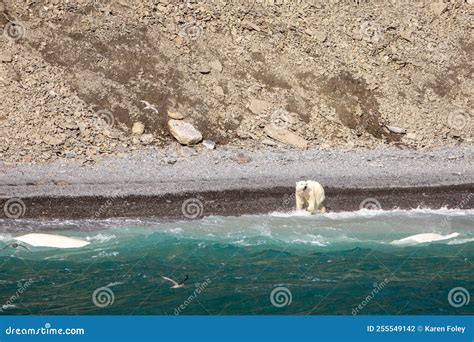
285, 136
184, 132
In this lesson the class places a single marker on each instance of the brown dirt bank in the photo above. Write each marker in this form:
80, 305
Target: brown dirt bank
239, 202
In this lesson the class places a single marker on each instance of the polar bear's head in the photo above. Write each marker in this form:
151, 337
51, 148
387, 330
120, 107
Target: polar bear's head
301, 186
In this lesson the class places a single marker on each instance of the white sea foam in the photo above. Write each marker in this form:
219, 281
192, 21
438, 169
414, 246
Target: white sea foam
317, 242
8, 306
176, 230
460, 241
294, 213
331, 230
364, 213
105, 254
6, 237
241, 242
115, 283
101, 237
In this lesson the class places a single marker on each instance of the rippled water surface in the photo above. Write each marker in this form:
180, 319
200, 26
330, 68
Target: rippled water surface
282, 263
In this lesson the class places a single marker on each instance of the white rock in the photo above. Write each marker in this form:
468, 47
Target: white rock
209, 144
438, 7
184, 132
285, 136
219, 91
320, 36
5, 57
269, 142
412, 136
54, 140
216, 65
258, 106
138, 128
147, 139
174, 114
396, 130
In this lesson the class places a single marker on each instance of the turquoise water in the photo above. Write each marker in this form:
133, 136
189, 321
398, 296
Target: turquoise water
281, 263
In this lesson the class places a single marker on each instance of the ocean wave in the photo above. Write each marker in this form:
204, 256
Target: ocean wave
319, 280
460, 241
364, 213
6, 237
177, 230
115, 283
311, 242
341, 240
104, 254
101, 237
293, 213
242, 242
8, 306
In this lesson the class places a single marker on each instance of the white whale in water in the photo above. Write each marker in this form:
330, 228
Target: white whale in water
424, 238
49, 240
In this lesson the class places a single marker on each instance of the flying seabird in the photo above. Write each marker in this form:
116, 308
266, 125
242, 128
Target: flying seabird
148, 105
176, 285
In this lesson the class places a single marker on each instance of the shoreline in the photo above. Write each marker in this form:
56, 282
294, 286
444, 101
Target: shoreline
234, 181
187, 206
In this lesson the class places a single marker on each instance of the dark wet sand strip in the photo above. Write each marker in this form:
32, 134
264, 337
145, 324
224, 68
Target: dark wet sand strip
239, 202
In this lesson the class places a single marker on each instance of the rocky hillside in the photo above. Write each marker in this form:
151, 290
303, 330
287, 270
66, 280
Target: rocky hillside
75, 76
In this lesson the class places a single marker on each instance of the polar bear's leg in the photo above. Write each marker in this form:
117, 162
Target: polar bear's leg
321, 206
299, 202
312, 202
321, 201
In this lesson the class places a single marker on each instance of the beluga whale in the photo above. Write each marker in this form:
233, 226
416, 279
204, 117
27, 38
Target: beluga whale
423, 238
50, 240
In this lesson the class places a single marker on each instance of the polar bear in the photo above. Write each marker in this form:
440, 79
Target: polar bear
310, 194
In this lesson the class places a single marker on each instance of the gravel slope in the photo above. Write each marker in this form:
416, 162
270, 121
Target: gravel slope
158, 172
76, 76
